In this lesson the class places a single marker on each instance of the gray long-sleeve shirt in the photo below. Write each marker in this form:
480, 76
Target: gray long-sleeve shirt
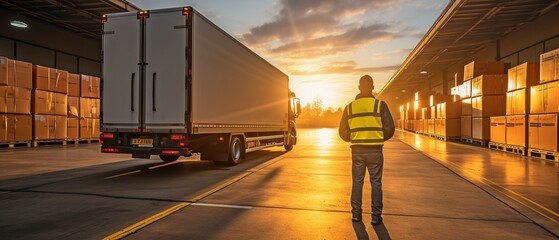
387, 125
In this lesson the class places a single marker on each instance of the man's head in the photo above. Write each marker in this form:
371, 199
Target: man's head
366, 84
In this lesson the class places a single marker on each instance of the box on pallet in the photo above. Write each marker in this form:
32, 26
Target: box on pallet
545, 98
448, 127
15, 73
74, 86
523, 75
476, 68
543, 132
73, 107
480, 128
50, 79
466, 108
518, 102
489, 105
549, 66
489, 85
466, 126
15, 100
15, 128
449, 109
90, 86
49, 103
89, 128
49, 127
89, 107
497, 129
73, 128
516, 130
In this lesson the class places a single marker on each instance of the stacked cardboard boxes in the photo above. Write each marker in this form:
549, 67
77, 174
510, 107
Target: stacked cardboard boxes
49, 105
15, 101
544, 106
73, 106
520, 79
90, 106
485, 85
447, 120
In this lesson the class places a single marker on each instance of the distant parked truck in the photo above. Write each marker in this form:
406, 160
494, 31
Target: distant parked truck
174, 83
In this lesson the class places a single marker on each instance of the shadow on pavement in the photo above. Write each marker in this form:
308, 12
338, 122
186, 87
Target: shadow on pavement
362, 234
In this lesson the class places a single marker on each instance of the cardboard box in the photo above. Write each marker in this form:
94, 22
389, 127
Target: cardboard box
498, 129
458, 78
543, 132
467, 88
15, 128
49, 127
90, 108
480, 128
50, 103
430, 126
425, 113
544, 98
466, 126
433, 112
15, 73
466, 108
477, 68
15, 100
50, 79
523, 75
489, 85
73, 128
516, 130
549, 66
73, 107
95, 128
89, 128
449, 109
90, 86
487, 106
448, 127
74, 85
518, 102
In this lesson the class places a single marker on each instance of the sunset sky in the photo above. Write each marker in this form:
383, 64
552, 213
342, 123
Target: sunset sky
323, 45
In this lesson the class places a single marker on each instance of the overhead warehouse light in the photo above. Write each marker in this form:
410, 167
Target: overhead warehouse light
423, 72
18, 24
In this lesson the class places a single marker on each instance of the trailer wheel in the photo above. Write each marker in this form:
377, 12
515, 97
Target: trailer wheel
235, 151
291, 140
169, 158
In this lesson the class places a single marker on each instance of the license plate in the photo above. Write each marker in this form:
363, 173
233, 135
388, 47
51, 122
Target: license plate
142, 142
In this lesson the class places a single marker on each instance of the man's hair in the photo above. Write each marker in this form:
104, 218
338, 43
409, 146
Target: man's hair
366, 83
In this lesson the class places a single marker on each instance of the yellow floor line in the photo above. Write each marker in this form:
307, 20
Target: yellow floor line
123, 174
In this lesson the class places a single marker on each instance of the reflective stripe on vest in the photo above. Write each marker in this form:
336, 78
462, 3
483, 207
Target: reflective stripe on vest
365, 122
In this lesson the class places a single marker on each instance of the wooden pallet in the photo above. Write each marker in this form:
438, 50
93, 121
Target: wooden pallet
543, 154
15, 144
445, 138
82, 141
473, 141
507, 148
37, 143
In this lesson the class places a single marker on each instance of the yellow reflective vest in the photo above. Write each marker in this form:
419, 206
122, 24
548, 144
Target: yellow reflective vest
365, 122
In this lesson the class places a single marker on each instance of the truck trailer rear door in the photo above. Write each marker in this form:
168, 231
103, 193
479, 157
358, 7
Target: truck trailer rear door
121, 72
166, 64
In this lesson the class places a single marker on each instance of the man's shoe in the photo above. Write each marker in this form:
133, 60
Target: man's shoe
375, 222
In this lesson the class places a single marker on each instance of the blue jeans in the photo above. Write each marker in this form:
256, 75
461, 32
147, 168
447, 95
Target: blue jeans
373, 161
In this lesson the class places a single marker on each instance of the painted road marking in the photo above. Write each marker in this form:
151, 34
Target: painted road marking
221, 205
166, 164
123, 174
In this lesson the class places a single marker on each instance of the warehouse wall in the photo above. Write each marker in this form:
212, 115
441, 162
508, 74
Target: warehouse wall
48, 45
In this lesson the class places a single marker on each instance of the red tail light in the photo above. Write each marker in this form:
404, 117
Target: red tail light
104, 18
170, 152
110, 150
181, 144
178, 137
185, 11
107, 135
143, 14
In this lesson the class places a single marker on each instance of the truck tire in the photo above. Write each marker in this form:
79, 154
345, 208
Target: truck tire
235, 151
290, 141
169, 158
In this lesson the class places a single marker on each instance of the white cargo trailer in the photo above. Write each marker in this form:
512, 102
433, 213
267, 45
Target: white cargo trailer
174, 83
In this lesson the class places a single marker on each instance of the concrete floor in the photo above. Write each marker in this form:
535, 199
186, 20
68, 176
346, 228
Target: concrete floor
459, 192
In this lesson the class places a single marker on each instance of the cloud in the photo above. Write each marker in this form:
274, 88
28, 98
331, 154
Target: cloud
344, 67
321, 27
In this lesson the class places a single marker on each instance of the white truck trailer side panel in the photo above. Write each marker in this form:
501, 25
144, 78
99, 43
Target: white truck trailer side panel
121, 84
231, 85
165, 95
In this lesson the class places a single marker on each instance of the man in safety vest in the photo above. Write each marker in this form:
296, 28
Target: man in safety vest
366, 123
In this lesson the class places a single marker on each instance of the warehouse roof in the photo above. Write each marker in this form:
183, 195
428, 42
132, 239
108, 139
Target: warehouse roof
80, 16
464, 27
